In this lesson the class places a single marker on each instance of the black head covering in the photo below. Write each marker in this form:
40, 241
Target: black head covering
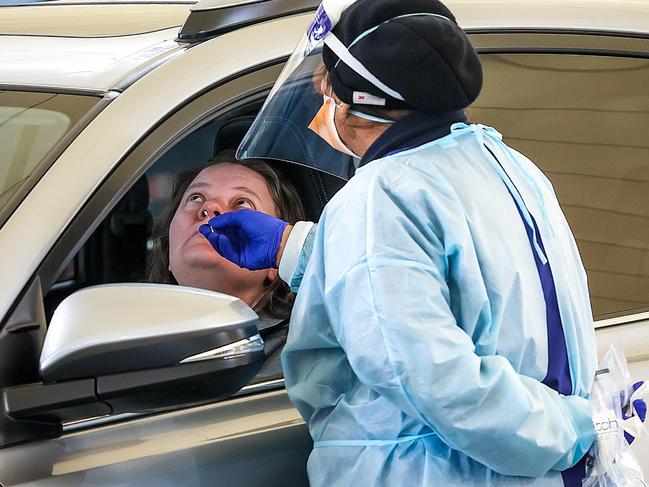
427, 59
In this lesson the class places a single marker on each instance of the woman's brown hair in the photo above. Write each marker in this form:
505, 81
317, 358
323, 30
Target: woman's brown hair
276, 300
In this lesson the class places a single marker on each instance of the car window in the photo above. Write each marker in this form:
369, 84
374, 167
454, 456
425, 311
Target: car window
124, 243
584, 120
31, 123
192, 151
121, 246
110, 239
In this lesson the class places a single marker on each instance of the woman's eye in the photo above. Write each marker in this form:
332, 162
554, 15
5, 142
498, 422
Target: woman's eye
244, 204
195, 197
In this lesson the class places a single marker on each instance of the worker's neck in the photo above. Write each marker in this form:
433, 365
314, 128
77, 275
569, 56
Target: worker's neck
365, 137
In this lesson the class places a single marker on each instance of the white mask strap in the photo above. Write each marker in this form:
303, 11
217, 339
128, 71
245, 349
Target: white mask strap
346, 57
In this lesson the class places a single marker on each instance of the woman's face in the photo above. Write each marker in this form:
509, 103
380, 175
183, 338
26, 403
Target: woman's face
217, 189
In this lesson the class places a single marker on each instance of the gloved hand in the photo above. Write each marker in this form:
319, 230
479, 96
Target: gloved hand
248, 238
637, 411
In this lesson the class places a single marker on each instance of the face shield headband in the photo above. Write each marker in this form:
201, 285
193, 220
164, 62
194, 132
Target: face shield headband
331, 41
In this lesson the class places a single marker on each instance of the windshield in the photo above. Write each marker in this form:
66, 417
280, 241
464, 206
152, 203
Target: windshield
31, 123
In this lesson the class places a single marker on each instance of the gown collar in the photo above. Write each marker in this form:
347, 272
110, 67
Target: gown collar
413, 130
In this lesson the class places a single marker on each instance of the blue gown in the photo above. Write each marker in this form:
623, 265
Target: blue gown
443, 334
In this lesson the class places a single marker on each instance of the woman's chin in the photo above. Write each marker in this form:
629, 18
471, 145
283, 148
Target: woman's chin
201, 254
221, 283
208, 270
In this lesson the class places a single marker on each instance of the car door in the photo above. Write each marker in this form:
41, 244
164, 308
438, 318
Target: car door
253, 439
577, 106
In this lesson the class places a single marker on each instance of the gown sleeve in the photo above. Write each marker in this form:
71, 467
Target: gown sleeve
296, 254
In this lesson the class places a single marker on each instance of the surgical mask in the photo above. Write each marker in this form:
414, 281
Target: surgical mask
324, 125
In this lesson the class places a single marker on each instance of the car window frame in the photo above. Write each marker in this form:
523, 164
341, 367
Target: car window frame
219, 100
224, 98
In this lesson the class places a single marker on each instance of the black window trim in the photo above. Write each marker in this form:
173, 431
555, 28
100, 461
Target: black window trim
559, 41
558, 31
98, 421
564, 51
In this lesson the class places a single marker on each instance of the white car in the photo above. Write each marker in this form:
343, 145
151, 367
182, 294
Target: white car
102, 104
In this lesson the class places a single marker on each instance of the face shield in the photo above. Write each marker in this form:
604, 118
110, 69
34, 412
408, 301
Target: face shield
280, 130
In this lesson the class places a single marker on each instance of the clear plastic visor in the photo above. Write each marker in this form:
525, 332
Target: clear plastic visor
281, 131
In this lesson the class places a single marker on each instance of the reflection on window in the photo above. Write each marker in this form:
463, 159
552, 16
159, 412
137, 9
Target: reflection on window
584, 120
28, 133
31, 124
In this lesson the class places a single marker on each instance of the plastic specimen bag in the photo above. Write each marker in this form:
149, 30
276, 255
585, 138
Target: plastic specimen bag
610, 461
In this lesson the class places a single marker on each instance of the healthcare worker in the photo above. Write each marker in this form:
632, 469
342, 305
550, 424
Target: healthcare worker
442, 333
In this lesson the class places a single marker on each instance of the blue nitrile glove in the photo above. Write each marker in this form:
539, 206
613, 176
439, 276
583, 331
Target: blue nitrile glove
633, 422
248, 238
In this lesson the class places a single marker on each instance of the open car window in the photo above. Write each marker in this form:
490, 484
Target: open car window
122, 246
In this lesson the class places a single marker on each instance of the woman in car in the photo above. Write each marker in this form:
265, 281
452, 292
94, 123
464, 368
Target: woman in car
181, 255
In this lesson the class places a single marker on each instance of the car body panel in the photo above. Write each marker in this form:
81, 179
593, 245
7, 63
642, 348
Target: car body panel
215, 443
93, 64
116, 2
91, 20
223, 438
631, 16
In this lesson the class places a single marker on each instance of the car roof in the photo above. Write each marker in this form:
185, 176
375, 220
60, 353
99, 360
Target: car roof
623, 16
72, 18
93, 44
87, 46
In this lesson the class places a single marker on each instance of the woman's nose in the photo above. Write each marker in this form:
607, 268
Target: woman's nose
206, 214
209, 211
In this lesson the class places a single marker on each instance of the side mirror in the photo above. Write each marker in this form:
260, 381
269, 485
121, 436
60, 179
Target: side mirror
138, 347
